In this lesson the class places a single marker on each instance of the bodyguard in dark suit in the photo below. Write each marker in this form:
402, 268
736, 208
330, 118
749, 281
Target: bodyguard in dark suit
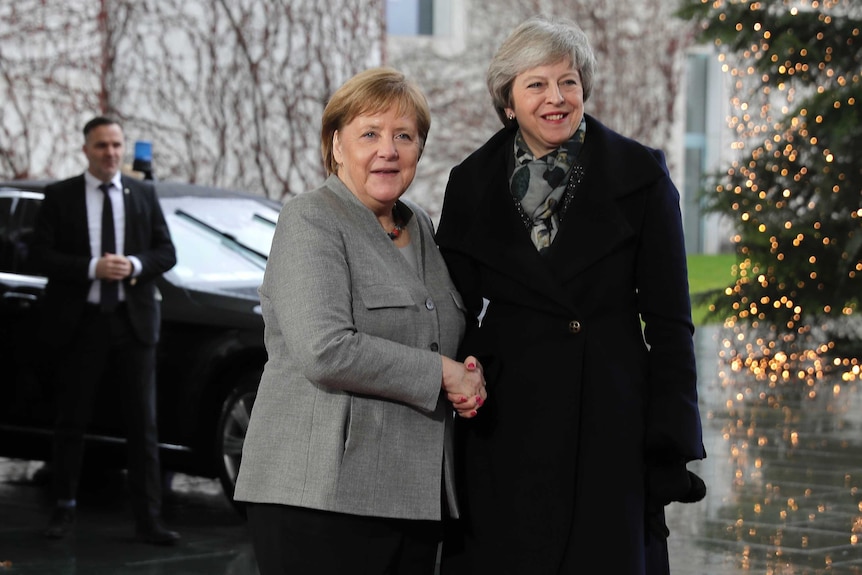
101, 239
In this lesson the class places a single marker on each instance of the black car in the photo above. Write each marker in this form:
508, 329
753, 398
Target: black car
211, 352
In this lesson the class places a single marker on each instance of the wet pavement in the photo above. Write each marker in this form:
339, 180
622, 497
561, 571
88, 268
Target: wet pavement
214, 539
784, 472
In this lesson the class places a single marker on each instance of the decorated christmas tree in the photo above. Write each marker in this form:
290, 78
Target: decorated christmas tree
794, 190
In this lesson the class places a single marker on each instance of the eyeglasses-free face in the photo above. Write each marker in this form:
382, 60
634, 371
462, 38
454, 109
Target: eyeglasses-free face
548, 102
377, 156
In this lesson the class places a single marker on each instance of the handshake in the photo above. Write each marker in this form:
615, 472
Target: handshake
464, 385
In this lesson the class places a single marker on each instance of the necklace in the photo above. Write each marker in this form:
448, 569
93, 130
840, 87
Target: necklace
399, 225
396, 231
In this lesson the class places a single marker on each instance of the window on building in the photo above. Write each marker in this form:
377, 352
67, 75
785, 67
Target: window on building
695, 149
418, 17
704, 144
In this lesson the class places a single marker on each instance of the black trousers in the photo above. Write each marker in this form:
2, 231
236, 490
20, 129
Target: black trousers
105, 351
295, 540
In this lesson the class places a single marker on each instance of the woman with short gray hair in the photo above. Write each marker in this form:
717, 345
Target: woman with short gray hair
565, 240
536, 42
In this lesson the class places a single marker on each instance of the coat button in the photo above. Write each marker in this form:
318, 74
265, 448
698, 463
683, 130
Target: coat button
429, 304
574, 326
435, 347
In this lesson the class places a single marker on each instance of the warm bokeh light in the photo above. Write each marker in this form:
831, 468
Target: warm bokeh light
794, 189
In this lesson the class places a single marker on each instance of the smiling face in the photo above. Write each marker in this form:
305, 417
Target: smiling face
104, 148
548, 102
377, 156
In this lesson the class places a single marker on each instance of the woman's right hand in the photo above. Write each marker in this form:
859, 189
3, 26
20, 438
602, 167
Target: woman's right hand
464, 385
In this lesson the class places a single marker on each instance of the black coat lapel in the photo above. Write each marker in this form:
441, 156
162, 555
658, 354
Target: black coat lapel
496, 236
134, 212
77, 214
594, 224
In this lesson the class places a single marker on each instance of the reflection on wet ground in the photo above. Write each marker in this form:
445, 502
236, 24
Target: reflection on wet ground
784, 471
214, 540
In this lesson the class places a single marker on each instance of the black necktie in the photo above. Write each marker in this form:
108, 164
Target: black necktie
110, 290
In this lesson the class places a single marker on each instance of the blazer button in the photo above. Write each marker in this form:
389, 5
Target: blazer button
574, 326
435, 347
429, 304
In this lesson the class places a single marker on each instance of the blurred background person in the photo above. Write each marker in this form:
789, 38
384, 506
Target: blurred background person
565, 240
101, 240
347, 464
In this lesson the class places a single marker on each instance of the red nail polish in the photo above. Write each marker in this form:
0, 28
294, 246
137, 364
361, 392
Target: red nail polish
479, 401
471, 365
474, 413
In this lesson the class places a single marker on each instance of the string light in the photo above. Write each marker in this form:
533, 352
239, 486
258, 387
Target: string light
795, 191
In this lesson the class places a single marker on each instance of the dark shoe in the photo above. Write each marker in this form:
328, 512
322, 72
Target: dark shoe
62, 522
157, 534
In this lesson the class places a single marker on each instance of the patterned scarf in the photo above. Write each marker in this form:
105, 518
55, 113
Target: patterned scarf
538, 185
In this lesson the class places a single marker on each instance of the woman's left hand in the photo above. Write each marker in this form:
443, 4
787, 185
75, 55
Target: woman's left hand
464, 385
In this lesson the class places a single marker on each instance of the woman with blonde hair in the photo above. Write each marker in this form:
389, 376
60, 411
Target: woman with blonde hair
347, 464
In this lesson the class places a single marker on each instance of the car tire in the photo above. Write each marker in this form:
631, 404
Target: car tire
231, 429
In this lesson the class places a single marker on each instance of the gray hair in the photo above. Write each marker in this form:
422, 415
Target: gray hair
538, 41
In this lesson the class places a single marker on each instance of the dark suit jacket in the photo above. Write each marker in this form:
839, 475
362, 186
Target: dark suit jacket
61, 251
579, 404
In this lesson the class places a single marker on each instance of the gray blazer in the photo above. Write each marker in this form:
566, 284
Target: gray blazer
349, 415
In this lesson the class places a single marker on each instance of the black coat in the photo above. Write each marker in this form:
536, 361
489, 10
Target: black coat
61, 251
582, 402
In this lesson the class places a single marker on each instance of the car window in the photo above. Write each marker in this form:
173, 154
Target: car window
17, 220
221, 243
5, 232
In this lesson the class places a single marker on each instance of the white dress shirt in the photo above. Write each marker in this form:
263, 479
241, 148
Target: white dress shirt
95, 200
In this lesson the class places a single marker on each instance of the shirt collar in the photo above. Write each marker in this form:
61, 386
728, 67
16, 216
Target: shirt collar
94, 182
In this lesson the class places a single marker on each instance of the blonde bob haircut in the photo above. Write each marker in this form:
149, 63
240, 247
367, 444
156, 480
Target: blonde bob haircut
538, 41
371, 92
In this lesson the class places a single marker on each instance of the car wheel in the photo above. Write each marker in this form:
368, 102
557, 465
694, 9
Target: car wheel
230, 432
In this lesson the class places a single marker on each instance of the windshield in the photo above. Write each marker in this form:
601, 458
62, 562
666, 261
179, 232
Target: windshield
220, 242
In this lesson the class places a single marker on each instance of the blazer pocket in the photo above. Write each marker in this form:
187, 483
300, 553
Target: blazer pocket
384, 296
